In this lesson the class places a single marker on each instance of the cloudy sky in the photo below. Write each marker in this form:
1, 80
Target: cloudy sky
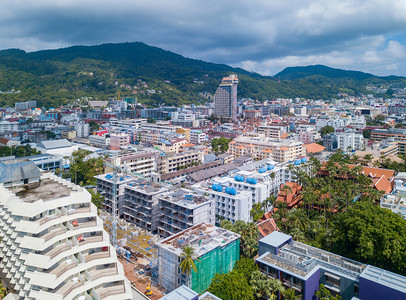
264, 36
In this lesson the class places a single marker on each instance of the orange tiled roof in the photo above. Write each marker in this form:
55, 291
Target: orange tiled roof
314, 148
232, 142
284, 148
377, 172
250, 145
267, 150
267, 227
284, 135
240, 147
187, 145
383, 184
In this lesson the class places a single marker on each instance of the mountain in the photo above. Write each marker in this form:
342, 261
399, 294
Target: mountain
154, 76
292, 73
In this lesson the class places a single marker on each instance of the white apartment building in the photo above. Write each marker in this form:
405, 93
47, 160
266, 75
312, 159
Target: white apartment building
231, 205
53, 245
99, 141
82, 130
350, 141
128, 124
141, 163
182, 209
161, 126
6, 126
171, 162
197, 137
273, 131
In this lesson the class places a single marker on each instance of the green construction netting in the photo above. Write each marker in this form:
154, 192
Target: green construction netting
220, 260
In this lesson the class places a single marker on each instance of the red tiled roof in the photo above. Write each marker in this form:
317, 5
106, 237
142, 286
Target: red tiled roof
4, 141
267, 227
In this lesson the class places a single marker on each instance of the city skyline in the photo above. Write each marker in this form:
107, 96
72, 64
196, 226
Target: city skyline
259, 36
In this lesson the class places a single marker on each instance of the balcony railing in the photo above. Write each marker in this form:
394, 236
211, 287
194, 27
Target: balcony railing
97, 255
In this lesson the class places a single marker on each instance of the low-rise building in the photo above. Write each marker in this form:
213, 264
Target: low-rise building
182, 209
119, 140
303, 268
216, 249
197, 137
101, 141
170, 162
140, 163
261, 147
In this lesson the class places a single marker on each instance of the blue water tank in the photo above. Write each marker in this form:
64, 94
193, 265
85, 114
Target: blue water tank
217, 187
231, 191
252, 180
270, 167
262, 170
304, 159
297, 162
239, 178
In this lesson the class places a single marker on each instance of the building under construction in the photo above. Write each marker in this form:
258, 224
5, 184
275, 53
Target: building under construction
216, 248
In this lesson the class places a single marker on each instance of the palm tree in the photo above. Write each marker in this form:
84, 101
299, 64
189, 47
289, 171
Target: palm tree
276, 287
290, 294
187, 263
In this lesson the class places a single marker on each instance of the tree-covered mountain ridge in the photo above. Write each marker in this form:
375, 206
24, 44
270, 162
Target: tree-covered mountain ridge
151, 74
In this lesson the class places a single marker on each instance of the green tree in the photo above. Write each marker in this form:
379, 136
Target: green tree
290, 294
231, 286
324, 294
249, 236
94, 126
372, 235
220, 145
188, 258
326, 130
97, 199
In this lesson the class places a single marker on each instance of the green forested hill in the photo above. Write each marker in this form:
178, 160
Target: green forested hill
58, 76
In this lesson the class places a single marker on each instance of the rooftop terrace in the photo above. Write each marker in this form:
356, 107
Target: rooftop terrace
301, 259
184, 197
45, 189
145, 186
202, 237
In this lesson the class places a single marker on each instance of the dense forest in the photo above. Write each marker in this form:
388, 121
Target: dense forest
153, 75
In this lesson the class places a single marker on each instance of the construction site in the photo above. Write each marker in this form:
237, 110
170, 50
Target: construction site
137, 252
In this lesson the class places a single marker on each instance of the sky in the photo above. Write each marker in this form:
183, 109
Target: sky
263, 36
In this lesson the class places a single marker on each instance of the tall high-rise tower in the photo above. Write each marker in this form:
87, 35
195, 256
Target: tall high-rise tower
225, 98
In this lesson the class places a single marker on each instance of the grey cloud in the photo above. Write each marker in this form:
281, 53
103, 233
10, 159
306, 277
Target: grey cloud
226, 31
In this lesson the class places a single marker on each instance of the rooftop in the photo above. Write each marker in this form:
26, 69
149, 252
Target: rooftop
16, 170
148, 187
45, 189
181, 293
54, 144
203, 238
300, 259
121, 178
184, 197
386, 278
